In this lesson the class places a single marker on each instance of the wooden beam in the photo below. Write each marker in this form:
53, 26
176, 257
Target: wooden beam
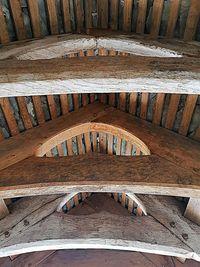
86, 75
142, 174
3, 209
192, 211
49, 230
26, 144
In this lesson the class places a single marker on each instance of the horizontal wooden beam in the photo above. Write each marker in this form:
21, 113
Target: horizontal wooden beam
105, 225
142, 174
99, 74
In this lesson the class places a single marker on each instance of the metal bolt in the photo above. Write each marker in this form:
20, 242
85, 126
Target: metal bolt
7, 234
185, 236
26, 223
172, 224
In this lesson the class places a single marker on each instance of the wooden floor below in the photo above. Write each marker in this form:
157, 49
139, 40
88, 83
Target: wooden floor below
94, 258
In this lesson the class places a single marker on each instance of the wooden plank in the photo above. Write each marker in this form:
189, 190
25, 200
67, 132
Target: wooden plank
88, 14
9, 115
133, 103
160, 98
173, 16
53, 175
3, 209
192, 20
38, 109
77, 75
52, 106
69, 148
100, 212
141, 19
64, 104
14, 150
53, 19
156, 17
17, 15
79, 16
35, 17
187, 114
102, 13
127, 15
4, 35
24, 112
114, 14
87, 142
102, 142
144, 105
192, 211
172, 110
66, 15
122, 101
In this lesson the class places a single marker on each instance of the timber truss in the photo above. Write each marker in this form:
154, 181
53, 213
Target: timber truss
166, 164
33, 163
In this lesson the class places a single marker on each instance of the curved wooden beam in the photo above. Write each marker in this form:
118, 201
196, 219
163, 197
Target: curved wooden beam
65, 199
83, 173
105, 225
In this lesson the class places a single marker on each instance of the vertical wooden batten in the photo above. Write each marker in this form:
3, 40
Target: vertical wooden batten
192, 20
4, 35
66, 15
173, 16
141, 19
35, 17
53, 19
127, 16
156, 17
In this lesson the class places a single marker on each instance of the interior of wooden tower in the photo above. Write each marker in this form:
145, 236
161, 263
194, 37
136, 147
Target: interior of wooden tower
100, 133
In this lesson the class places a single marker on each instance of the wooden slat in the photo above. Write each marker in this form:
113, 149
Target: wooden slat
18, 19
84, 173
111, 99
133, 103
173, 16
80, 144
102, 12
192, 20
192, 211
87, 142
122, 101
127, 15
52, 106
114, 14
94, 141
53, 19
60, 150
118, 148
69, 148
79, 16
187, 114
24, 112
172, 110
88, 14
44, 81
144, 105
156, 17
35, 17
66, 15
9, 115
102, 142
141, 19
110, 144
64, 104
4, 35
76, 101
38, 109
160, 98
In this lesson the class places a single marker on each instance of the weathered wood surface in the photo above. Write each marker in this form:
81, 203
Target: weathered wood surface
83, 173
3, 209
192, 211
90, 226
87, 74
26, 144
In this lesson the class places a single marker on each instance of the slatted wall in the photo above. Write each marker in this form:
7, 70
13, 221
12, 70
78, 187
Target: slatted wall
22, 19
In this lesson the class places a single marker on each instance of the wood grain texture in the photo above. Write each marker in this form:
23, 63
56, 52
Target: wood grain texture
172, 110
24, 112
35, 17
160, 98
102, 213
156, 17
83, 173
66, 15
102, 13
173, 16
76, 75
38, 109
3, 209
114, 5
4, 35
25, 144
192, 20
192, 211
127, 15
17, 15
88, 14
141, 19
53, 19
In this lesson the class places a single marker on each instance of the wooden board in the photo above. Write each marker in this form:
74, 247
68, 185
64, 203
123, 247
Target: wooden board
83, 173
87, 74
105, 225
